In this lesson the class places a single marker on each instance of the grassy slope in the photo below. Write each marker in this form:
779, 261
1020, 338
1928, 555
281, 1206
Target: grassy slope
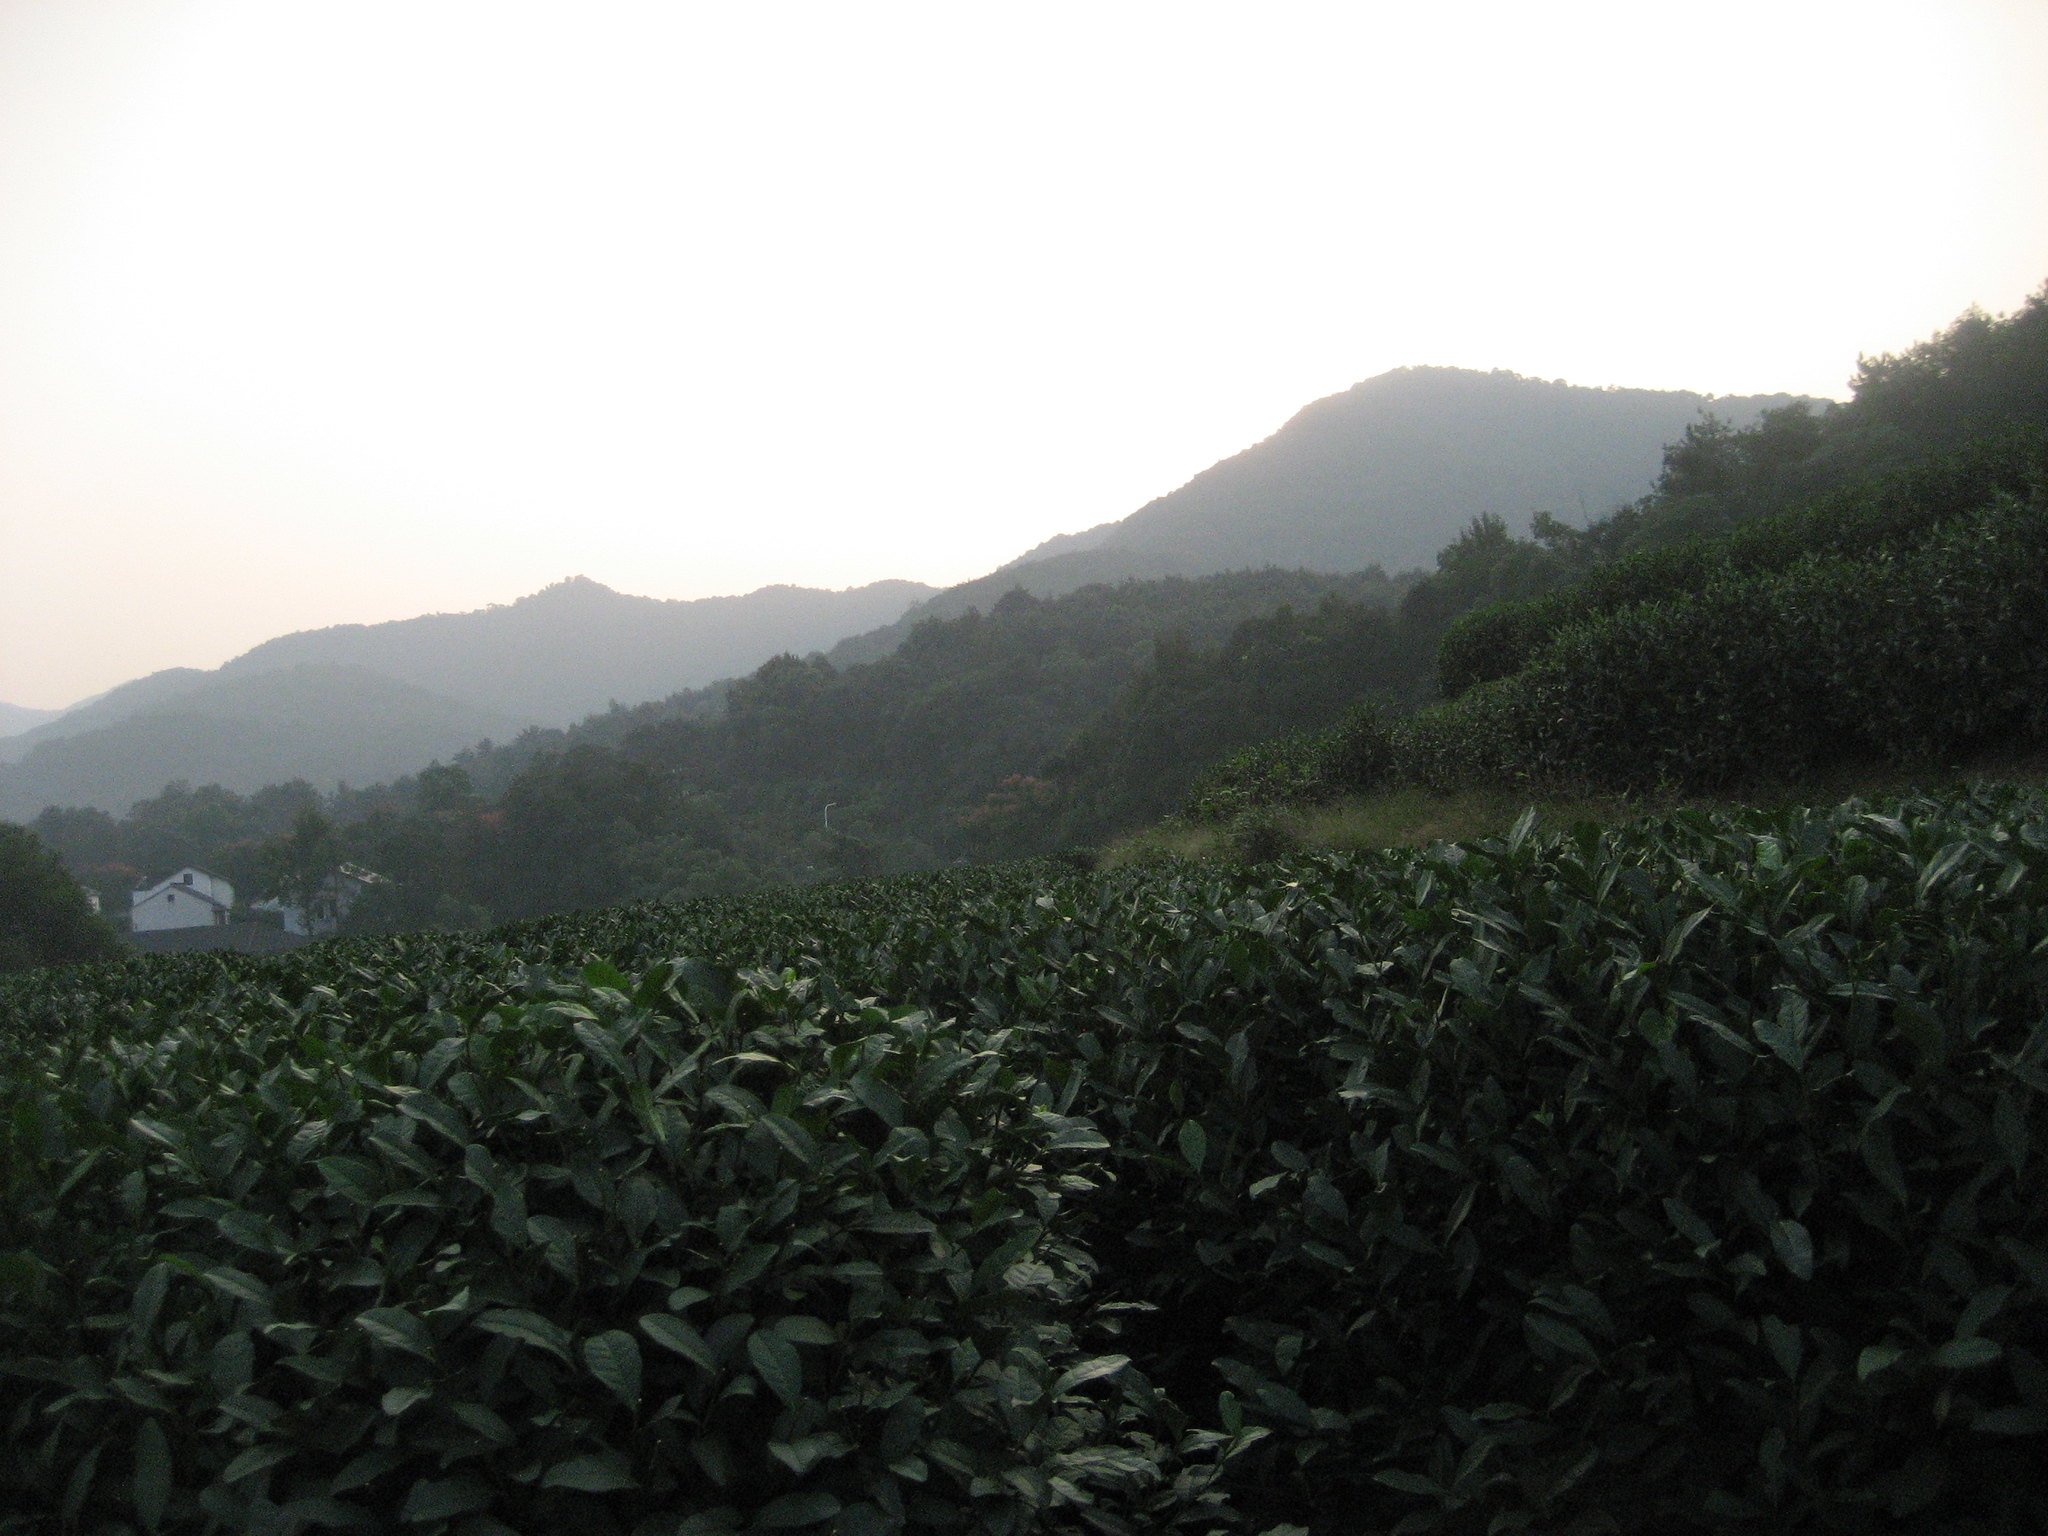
1411, 817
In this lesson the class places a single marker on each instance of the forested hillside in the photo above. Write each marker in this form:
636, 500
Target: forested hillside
929, 754
1806, 593
1383, 474
1380, 475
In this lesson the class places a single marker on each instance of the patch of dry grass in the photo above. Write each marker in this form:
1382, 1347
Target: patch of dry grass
1412, 818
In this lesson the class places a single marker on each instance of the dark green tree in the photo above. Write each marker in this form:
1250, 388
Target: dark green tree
299, 867
44, 918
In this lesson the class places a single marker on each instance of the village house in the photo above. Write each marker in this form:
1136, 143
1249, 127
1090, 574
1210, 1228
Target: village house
331, 902
191, 898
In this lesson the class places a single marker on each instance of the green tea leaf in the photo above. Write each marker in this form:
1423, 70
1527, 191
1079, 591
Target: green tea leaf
877, 1097
431, 1112
153, 1471
778, 1365
897, 1224
1968, 1354
1877, 1357
677, 1336
1794, 1246
258, 1458
614, 1359
527, 1328
801, 1329
803, 1454
1787, 1031
1086, 1371
1560, 1336
444, 1498
600, 1472
396, 1328
793, 1510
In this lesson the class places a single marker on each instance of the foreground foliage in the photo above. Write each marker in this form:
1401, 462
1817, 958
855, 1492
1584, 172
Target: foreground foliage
1678, 1175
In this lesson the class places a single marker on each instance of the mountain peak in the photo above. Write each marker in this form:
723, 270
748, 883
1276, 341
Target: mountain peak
569, 587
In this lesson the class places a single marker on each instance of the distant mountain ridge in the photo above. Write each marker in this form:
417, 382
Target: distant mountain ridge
319, 723
16, 718
1388, 471
116, 704
372, 701
576, 647
1384, 473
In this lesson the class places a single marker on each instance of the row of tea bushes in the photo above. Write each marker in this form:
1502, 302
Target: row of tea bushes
1679, 1175
1933, 652
1895, 512
685, 1251
1938, 651
1355, 755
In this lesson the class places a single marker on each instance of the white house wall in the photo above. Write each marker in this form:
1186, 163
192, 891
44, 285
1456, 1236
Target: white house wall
190, 879
173, 907
207, 885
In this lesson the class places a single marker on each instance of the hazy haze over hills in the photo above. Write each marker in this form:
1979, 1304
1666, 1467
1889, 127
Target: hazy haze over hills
366, 702
578, 646
155, 691
1390, 470
455, 350
319, 723
16, 718
1386, 473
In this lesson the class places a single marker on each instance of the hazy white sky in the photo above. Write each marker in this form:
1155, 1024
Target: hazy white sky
324, 313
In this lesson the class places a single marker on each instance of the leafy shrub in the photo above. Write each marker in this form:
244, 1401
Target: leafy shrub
1355, 755
1680, 1176
1359, 755
44, 919
1670, 1179
1258, 838
1287, 770
1894, 513
1937, 650
609, 1254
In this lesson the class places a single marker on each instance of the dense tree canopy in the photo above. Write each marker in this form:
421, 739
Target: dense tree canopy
44, 918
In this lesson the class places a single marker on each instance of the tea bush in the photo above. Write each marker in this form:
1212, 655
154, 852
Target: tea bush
1679, 1175
1894, 513
1356, 755
665, 1253
1932, 651
1935, 651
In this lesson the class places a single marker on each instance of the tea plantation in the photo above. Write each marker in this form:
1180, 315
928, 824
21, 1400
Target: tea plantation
1683, 1175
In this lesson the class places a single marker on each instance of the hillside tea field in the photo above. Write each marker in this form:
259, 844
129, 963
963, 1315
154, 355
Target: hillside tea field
1683, 1175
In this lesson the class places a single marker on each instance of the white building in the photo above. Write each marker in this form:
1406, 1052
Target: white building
191, 898
337, 893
